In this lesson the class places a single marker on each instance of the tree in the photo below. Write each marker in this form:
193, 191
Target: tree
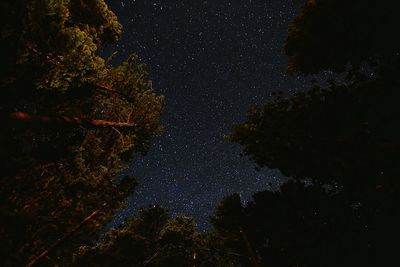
296, 226
57, 167
333, 34
342, 137
345, 133
154, 240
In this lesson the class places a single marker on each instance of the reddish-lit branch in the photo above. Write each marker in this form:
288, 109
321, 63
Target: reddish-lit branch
65, 120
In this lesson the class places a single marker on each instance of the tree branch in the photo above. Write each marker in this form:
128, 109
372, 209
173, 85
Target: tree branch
37, 258
65, 120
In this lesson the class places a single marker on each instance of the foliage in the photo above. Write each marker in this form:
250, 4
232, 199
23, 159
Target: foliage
344, 134
303, 226
342, 139
54, 175
333, 34
154, 240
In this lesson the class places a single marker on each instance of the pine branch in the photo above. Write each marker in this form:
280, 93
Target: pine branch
55, 61
34, 260
105, 88
65, 120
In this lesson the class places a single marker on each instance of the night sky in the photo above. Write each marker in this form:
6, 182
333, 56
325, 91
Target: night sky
213, 61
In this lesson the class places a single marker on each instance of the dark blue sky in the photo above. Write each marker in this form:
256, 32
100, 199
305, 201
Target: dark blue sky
213, 61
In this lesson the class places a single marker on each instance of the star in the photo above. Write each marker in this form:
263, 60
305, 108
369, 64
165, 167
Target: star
213, 61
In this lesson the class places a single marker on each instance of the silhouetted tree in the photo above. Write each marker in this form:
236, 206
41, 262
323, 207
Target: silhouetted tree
344, 135
296, 226
333, 34
343, 138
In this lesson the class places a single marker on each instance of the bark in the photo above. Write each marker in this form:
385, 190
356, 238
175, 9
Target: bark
65, 120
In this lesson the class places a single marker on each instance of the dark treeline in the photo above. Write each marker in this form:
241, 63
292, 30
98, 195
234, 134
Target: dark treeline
70, 124
342, 140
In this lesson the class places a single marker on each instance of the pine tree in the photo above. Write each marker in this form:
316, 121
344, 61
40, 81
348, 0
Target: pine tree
155, 240
342, 136
70, 123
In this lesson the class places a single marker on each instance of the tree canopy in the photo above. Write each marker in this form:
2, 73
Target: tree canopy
70, 124
345, 132
341, 138
333, 34
296, 226
154, 239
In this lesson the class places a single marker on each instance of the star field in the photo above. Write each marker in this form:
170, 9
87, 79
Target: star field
213, 61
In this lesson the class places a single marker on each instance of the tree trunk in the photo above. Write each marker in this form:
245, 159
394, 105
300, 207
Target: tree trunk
65, 120
250, 250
